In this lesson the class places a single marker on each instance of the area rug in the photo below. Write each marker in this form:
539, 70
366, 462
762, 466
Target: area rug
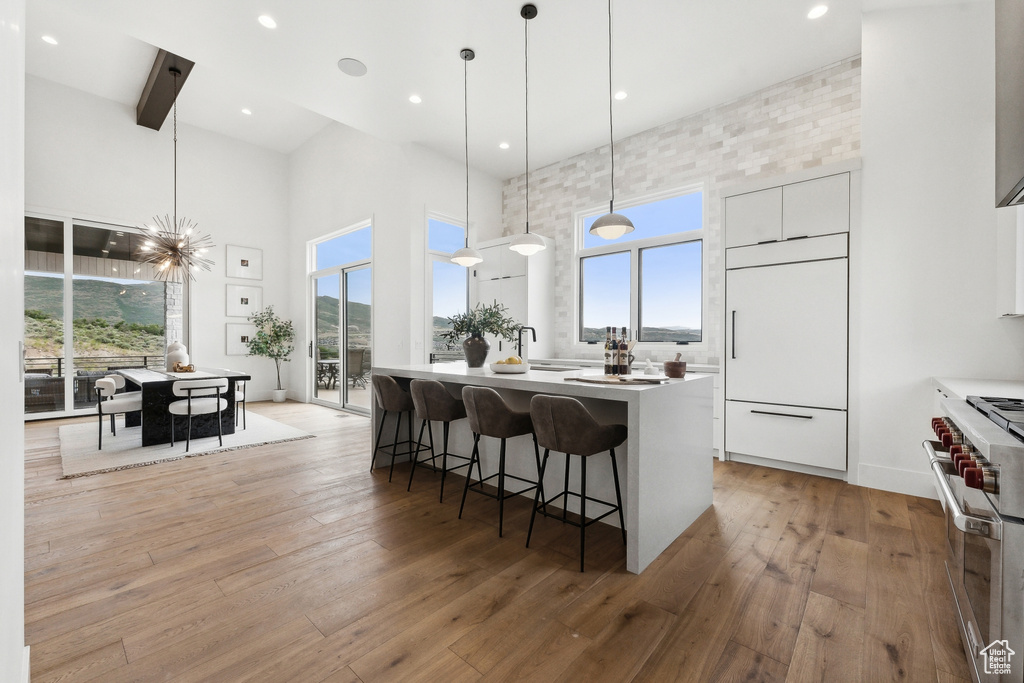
79, 456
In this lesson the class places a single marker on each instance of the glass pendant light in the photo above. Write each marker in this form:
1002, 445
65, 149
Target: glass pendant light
467, 256
527, 243
611, 225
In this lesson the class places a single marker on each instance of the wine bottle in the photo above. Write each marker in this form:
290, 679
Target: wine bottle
614, 355
624, 354
608, 350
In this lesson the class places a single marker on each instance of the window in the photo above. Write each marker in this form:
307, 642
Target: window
448, 283
650, 280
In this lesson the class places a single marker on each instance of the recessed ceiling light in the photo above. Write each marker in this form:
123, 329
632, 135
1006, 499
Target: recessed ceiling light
50, 39
247, 112
817, 11
621, 95
352, 67
415, 99
503, 145
268, 21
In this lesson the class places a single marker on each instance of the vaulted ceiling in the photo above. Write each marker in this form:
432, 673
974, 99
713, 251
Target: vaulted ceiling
672, 57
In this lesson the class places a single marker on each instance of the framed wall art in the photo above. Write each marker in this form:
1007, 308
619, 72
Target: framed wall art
238, 336
244, 262
243, 300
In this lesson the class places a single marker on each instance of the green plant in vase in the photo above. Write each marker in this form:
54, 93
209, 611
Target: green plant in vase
274, 339
470, 327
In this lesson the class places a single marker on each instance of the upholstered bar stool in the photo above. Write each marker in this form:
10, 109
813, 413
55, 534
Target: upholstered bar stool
564, 425
490, 416
433, 403
392, 398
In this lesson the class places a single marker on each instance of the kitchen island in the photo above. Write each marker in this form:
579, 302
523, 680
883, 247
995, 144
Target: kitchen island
667, 458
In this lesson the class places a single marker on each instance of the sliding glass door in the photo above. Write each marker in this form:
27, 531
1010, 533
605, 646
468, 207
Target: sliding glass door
342, 320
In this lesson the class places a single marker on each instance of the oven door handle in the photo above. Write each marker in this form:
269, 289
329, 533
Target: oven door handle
969, 524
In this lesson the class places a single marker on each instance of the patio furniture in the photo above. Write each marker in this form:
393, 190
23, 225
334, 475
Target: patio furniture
355, 372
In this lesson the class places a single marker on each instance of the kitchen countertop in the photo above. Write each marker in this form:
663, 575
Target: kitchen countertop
962, 387
667, 457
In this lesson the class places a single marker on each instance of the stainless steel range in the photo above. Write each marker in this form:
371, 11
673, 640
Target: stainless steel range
978, 462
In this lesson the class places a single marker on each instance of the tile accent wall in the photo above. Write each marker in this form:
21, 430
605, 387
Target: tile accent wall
801, 123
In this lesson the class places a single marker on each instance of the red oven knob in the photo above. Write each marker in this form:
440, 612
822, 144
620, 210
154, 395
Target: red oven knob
955, 450
936, 421
965, 464
980, 478
946, 439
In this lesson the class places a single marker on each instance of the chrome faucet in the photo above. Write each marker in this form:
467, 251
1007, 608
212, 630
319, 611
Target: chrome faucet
519, 344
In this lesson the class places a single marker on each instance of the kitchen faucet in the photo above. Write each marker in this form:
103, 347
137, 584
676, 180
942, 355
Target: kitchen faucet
519, 344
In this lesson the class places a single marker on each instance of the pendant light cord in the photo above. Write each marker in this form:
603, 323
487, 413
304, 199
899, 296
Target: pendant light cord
526, 61
611, 132
465, 112
175, 73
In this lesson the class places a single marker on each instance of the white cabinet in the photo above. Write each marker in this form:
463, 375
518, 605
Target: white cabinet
816, 207
806, 436
820, 206
786, 326
525, 285
753, 217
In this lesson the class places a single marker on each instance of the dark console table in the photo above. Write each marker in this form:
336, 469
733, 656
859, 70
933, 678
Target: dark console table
157, 394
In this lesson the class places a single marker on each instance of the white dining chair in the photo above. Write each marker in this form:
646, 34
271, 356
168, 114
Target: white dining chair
202, 397
240, 400
109, 402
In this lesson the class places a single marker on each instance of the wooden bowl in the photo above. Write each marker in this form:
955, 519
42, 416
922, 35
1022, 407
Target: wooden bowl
675, 368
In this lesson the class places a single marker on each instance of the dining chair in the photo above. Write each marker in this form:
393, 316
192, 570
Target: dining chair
109, 402
202, 397
240, 400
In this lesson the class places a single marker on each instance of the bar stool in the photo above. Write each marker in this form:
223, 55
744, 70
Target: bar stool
564, 425
392, 399
433, 403
490, 416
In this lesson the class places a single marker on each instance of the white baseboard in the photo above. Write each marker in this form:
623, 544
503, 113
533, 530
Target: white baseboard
26, 670
782, 465
898, 481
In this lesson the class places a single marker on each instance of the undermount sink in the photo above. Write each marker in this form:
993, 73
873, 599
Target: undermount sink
553, 368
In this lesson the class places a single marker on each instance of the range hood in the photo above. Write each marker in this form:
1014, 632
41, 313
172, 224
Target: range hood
1009, 102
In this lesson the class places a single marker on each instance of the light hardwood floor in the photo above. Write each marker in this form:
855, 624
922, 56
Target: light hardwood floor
293, 562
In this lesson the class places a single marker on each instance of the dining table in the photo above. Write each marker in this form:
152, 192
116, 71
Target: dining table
157, 389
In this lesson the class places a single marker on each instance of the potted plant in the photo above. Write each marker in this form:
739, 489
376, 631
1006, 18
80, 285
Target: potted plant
274, 339
484, 319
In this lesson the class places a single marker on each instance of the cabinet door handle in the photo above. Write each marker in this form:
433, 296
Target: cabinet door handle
734, 335
767, 412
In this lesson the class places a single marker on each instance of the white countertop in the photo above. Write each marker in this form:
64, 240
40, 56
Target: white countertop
962, 387
534, 380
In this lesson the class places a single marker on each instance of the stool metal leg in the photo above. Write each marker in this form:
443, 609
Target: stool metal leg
474, 457
618, 496
416, 455
501, 487
376, 444
536, 499
444, 458
565, 500
583, 507
394, 444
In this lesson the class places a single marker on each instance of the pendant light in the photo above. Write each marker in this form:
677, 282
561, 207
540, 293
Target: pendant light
466, 256
611, 225
527, 243
175, 247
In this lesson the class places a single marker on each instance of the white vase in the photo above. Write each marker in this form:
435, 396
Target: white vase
279, 395
176, 353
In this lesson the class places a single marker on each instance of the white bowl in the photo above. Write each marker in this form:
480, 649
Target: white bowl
504, 369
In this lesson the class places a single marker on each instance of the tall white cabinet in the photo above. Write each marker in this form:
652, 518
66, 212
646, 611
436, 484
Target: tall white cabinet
525, 285
787, 323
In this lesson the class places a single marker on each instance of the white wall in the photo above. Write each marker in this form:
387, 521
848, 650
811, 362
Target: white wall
341, 177
13, 659
86, 157
925, 258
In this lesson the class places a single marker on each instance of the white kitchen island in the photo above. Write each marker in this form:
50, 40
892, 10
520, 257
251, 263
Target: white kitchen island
667, 458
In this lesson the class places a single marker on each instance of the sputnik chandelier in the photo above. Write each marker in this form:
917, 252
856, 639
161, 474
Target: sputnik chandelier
173, 245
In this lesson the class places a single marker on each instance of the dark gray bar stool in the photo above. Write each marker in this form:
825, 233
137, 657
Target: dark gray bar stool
433, 403
490, 416
392, 399
564, 425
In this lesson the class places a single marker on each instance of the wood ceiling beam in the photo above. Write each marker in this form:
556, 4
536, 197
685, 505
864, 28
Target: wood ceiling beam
158, 95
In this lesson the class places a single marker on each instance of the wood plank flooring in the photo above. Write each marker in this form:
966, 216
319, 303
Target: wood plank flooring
292, 562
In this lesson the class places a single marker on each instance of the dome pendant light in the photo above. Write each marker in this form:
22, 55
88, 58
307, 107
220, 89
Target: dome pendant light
527, 244
467, 256
611, 225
